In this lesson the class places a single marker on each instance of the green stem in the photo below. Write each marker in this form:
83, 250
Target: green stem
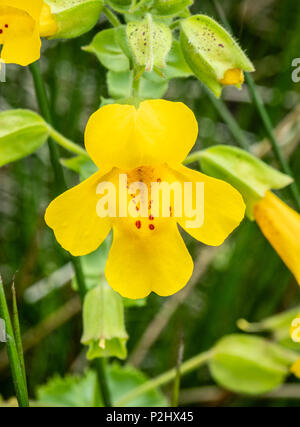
112, 18
17, 332
165, 378
59, 173
12, 352
101, 374
175, 24
192, 158
269, 130
228, 118
67, 143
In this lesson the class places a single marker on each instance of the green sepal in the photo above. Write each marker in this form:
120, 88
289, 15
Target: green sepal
250, 364
149, 42
22, 132
210, 51
75, 17
170, 7
248, 174
103, 323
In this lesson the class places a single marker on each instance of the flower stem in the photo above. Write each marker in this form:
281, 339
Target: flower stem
12, 352
112, 18
17, 332
67, 143
61, 185
228, 118
269, 129
165, 378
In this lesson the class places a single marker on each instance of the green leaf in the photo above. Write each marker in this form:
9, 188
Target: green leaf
249, 175
22, 132
176, 64
108, 51
151, 85
103, 323
79, 391
121, 6
70, 391
150, 43
170, 7
250, 364
75, 17
210, 51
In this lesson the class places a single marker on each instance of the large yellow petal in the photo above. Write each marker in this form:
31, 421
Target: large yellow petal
158, 131
295, 369
156, 261
22, 51
32, 7
281, 226
223, 208
74, 219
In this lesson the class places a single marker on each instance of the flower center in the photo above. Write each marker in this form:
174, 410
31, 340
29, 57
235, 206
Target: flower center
14, 24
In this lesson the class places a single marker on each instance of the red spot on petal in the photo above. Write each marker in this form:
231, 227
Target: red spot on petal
151, 218
151, 227
158, 180
6, 25
138, 224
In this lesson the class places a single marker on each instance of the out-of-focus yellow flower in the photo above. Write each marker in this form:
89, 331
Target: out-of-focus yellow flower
295, 329
21, 25
295, 335
281, 226
148, 144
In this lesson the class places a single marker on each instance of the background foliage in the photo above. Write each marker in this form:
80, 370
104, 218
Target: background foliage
242, 279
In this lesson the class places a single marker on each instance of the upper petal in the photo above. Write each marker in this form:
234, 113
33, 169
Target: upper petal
281, 226
158, 261
158, 131
32, 7
74, 219
223, 207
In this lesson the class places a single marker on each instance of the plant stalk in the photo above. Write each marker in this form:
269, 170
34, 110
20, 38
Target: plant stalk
12, 352
165, 378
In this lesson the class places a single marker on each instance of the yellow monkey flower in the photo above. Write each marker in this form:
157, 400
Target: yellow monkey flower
295, 335
148, 145
22, 23
281, 226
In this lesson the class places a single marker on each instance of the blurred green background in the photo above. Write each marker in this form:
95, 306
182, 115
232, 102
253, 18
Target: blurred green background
243, 279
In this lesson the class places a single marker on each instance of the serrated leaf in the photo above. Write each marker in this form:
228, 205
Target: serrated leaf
79, 391
75, 17
22, 132
105, 46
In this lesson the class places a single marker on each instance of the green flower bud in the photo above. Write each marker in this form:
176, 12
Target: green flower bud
149, 43
212, 54
278, 325
74, 17
170, 7
103, 323
250, 364
249, 175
